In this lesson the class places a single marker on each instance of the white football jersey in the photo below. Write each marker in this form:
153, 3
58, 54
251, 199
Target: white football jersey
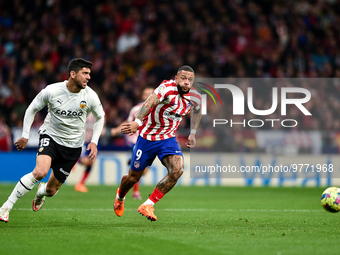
67, 114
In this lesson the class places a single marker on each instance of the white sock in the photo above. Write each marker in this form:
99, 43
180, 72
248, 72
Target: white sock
25, 184
119, 198
148, 202
42, 190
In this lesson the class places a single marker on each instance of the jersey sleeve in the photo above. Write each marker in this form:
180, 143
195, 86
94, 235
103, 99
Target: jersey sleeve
162, 91
98, 114
195, 98
39, 102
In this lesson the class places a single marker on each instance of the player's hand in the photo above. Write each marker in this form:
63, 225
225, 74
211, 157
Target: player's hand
92, 147
191, 141
21, 143
129, 128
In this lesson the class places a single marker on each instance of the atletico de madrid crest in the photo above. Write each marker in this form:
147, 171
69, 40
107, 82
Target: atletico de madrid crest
136, 164
82, 104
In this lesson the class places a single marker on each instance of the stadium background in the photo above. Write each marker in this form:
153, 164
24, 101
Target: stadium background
136, 43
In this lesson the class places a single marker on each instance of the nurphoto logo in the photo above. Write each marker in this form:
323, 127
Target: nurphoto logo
238, 105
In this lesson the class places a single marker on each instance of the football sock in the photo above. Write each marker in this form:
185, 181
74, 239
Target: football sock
148, 202
42, 190
121, 195
86, 174
154, 197
136, 187
25, 184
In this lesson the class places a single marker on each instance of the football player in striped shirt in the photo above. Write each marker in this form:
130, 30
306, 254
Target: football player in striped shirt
157, 121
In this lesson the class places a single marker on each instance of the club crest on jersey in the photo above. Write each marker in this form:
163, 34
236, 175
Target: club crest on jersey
82, 104
136, 164
189, 106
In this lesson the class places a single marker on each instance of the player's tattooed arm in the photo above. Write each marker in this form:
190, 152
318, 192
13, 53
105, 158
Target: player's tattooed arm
132, 127
196, 116
152, 101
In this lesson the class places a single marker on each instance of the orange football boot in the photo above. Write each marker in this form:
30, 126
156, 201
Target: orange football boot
147, 211
118, 206
80, 187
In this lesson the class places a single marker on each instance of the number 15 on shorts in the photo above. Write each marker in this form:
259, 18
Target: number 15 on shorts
44, 142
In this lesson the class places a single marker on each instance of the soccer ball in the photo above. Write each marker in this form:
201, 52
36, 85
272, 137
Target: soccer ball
330, 199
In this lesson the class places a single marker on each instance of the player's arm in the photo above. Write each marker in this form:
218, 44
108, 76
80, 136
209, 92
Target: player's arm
99, 116
116, 130
39, 102
131, 128
196, 116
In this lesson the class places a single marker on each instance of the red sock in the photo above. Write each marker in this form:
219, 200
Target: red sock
156, 196
86, 174
121, 194
136, 187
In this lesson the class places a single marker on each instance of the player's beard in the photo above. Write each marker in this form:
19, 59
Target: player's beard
79, 84
181, 91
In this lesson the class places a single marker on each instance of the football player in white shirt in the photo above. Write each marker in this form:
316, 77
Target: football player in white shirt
61, 136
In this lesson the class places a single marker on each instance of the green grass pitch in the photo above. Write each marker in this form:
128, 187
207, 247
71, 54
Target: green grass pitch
191, 220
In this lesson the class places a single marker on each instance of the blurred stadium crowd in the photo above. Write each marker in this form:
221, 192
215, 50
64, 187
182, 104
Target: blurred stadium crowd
138, 43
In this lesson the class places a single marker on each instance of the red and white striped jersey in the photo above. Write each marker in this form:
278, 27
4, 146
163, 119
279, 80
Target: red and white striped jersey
163, 120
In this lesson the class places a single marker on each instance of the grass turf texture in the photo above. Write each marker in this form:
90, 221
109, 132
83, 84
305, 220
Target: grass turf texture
191, 220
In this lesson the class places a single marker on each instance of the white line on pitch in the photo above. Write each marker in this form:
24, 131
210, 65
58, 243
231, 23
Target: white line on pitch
178, 210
